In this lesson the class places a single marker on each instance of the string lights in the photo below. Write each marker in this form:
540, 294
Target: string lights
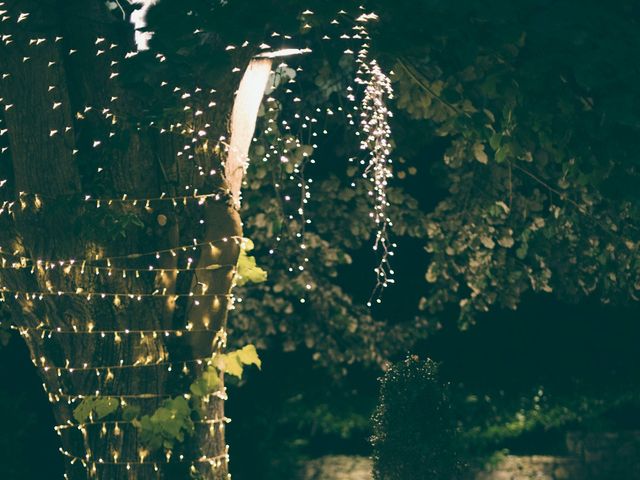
44, 332
374, 133
60, 396
25, 261
290, 144
204, 155
9, 206
376, 140
89, 462
17, 294
101, 264
119, 423
143, 363
104, 270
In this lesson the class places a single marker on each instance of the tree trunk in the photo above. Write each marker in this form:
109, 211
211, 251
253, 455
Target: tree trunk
60, 98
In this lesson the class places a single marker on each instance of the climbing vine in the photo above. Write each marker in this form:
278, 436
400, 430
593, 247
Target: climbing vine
173, 420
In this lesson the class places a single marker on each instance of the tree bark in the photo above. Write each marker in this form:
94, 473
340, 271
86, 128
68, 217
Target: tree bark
57, 105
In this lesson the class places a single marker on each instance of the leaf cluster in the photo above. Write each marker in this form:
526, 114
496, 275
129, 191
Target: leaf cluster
173, 420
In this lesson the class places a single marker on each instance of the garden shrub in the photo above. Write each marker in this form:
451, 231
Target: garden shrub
414, 434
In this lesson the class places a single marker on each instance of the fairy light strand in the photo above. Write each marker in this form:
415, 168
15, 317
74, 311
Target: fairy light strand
39, 295
376, 140
195, 133
12, 206
49, 332
119, 423
130, 256
96, 269
100, 461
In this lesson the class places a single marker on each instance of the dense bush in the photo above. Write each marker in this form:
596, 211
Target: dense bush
414, 430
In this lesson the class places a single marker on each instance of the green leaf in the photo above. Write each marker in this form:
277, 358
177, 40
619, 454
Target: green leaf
212, 380
130, 412
231, 364
207, 383
83, 410
170, 423
506, 241
247, 270
495, 140
198, 387
521, 252
100, 406
487, 241
105, 406
248, 355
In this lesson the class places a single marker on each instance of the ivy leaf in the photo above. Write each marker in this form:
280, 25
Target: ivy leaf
212, 380
170, 423
248, 355
105, 406
83, 410
130, 412
248, 271
233, 362
198, 387
180, 405
101, 406
230, 363
207, 383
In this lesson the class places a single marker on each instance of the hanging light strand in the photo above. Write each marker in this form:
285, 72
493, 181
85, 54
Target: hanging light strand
376, 140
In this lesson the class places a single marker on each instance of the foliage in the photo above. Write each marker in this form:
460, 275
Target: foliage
414, 431
337, 329
170, 423
527, 104
167, 425
331, 321
173, 420
517, 150
248, 271
520, 124
95, 408
504, 131
206, 383
493, 421
234, 362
